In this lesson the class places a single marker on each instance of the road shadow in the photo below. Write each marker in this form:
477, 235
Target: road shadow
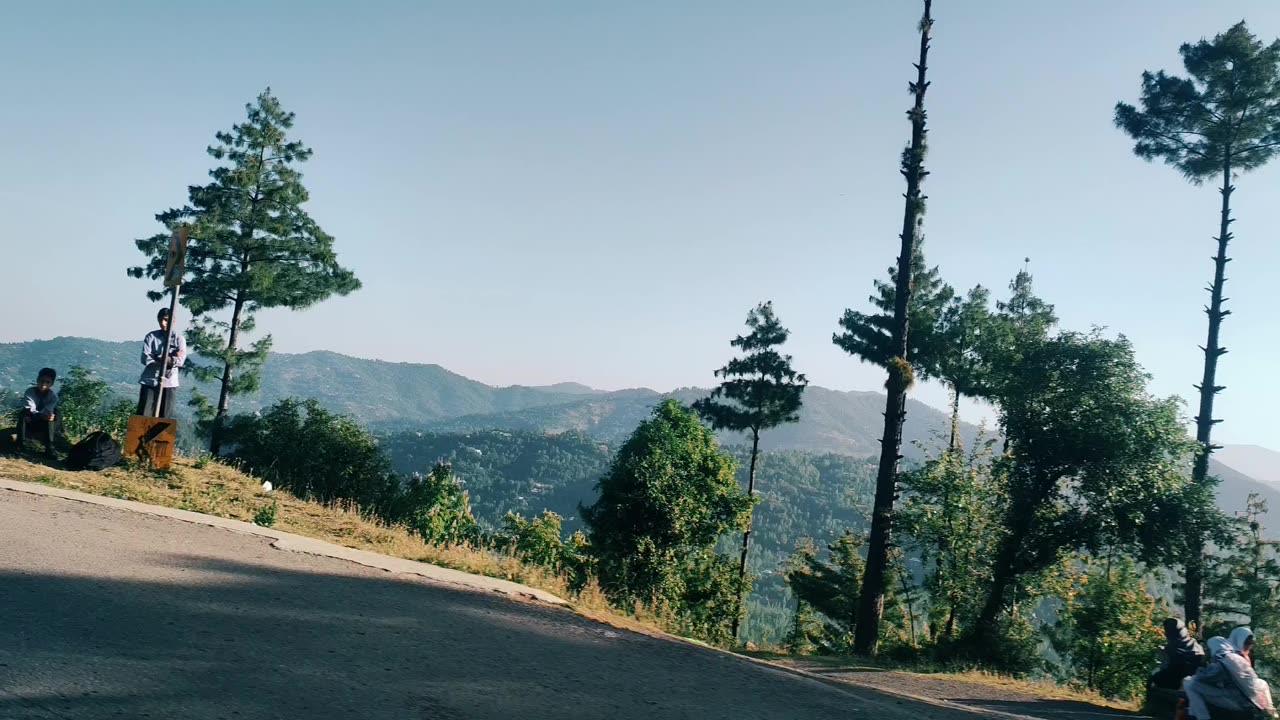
238, 640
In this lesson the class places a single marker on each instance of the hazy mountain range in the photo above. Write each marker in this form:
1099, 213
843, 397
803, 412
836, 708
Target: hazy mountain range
391, 397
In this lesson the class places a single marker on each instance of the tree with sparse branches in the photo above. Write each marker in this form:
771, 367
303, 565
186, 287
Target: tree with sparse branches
1220, 121
1242, 583
897, 360
869, 336
760, 391
964, 325
252, 247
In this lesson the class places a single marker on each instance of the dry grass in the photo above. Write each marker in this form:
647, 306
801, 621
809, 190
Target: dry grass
1040, 689
1045, 689
215, 489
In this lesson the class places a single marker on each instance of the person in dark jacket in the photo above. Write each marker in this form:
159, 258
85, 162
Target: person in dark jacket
39, 415
1182, 656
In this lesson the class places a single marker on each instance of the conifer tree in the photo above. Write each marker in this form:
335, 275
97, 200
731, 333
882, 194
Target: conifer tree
252, 247
760, 391
869, 336
831, 587
964, 325
898, 360
1220, 121
806, 629
1242, 584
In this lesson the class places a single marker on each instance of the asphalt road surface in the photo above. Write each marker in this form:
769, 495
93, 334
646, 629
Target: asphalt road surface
106, 613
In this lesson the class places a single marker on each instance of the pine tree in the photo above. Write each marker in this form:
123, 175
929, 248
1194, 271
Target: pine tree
897, 359
760, 391
1019, 322
1242, 585
869, 336
252, 247
832, 588
806, 629
1220, 121
962, 328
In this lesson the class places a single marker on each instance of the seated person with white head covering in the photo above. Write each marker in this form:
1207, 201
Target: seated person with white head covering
1228, 681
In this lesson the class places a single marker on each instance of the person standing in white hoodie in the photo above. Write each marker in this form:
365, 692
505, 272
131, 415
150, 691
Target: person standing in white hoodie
153, 379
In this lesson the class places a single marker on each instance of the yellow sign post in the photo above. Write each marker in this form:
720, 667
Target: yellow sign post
177, 262
151, 440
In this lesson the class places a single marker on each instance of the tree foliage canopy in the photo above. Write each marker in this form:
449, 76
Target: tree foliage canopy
1226, 111
669, 495
252, 247
760, 390
869, 336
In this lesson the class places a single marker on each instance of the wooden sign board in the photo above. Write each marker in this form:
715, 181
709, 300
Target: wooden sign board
177, 260
151, 441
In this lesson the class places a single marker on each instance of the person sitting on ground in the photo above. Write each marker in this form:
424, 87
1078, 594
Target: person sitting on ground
38, 416
152, 355
1182, 656
1228, 681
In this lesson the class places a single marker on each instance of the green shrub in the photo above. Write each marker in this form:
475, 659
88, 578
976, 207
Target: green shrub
266, 515
87, 404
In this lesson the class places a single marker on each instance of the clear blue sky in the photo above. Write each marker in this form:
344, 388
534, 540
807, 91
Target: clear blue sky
598, 192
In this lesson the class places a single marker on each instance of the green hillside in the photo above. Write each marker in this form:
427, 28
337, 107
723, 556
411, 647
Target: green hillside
846, 423
391, 397
802, 494
374, 391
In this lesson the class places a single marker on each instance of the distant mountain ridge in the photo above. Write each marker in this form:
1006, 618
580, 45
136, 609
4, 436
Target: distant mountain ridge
389, 397
374, 391
1252, 460
845, 423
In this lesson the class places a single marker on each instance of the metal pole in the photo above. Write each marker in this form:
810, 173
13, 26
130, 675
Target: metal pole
177, 258
164, 359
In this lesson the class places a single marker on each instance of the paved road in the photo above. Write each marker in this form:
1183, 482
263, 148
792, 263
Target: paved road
106, 613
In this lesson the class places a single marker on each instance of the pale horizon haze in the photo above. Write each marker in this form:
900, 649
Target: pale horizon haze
599, 192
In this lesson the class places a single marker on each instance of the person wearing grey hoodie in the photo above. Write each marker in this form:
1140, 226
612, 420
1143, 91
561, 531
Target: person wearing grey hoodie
1228, 681
39, 415
153, 380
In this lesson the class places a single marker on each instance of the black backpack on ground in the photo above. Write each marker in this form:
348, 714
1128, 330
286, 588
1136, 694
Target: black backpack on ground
97, 451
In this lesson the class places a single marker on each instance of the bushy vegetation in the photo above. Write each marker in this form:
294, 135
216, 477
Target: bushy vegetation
669, 496
1108, 628
88, 404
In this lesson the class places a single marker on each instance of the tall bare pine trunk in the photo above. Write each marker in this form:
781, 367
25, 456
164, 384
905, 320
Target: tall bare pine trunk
871, 599
1208, 388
